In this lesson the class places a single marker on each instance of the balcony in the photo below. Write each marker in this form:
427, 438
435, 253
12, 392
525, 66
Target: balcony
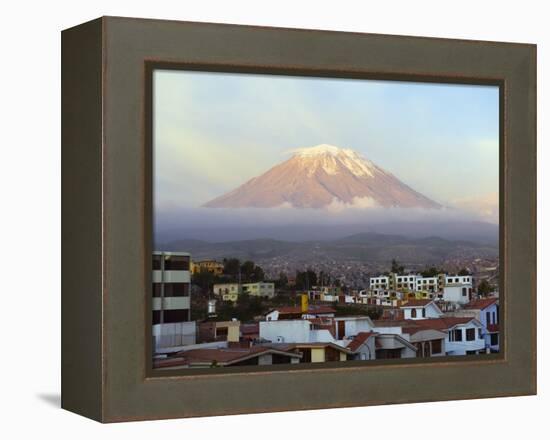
171, 303
171, 276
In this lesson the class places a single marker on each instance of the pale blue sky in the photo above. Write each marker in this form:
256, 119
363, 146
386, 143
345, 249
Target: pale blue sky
214, 131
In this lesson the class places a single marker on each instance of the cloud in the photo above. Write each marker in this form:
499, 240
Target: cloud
485, 206
337, 205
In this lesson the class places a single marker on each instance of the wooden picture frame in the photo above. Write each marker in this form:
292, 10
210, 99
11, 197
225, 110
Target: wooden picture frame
106, 215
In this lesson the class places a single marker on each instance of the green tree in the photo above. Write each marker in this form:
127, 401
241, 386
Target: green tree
484, 288
282, 281
396, 267
463, 272
231, 267
306, 280
430, 272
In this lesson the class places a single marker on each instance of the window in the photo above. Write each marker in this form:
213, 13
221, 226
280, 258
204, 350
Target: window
464, 291
156, 289
436, 346
423, 313
176, 289
470, 334
457, 335
156, 262
487, 318
413, 313
479, 333
181, 315
176, 262
494, 338
494, 318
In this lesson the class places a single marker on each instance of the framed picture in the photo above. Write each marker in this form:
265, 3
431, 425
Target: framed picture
264, 219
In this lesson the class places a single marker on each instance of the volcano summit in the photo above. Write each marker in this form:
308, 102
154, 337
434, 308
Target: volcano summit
318, 176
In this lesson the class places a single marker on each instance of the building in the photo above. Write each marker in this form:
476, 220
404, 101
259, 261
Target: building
421, 309
350, 326
293, 331
427, 284
231, 291
211, 331
457, 288
363, 346
394, 346
464, 335
171, 300
229, 356
297, 312
211, 266
261, 289
486, 311
380, 282
447, 335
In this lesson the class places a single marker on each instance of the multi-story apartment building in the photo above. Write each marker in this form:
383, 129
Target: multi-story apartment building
231, 291
380, 282
171, 300
212, 266
427, 284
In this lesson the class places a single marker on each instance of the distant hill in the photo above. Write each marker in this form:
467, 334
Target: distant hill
366, 247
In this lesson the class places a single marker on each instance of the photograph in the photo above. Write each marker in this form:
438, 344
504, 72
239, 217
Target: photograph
303, 219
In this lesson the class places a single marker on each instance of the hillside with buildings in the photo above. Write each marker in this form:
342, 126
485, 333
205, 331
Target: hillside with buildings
352, 257
244, 319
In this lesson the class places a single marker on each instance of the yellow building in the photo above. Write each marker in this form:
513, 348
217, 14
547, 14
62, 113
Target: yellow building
212, 266
230, 291
231, 329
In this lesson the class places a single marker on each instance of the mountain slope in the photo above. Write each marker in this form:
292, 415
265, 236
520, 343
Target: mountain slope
318, 176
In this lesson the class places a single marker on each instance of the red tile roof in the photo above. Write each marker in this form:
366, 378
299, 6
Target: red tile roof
250, 328
412, 326
312, 310
442, 324
359, 340
480, 304
222, 356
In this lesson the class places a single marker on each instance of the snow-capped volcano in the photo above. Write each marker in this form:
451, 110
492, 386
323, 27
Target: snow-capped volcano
320, 176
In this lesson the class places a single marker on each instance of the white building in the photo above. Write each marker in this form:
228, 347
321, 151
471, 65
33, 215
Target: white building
457, 293
363, 346
486, 311
293, 331
465, 337
421, 309
171, 300
349, 326
381, 282
427, 284
405, 282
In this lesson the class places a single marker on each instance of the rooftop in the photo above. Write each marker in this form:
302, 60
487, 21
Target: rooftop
417, 303
359, 340
480, 304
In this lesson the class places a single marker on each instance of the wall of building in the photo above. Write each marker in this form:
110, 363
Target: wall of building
367, 351
288, 330
455, 294
454, 348
318, 354
174, 334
